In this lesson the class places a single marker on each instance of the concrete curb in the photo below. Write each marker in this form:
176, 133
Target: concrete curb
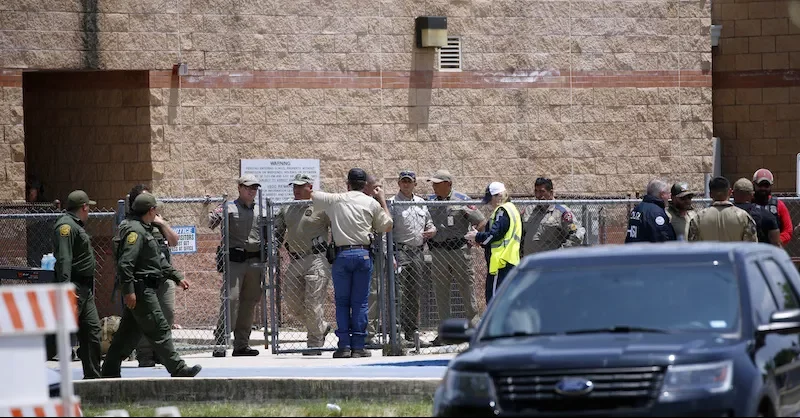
248, 389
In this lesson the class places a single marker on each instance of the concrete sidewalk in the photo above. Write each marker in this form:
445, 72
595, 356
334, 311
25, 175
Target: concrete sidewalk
268, 377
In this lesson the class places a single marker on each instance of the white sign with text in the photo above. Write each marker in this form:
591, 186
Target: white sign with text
275, 175
187, 240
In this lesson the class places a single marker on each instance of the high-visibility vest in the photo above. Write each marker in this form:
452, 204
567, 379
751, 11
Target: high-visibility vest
507, 251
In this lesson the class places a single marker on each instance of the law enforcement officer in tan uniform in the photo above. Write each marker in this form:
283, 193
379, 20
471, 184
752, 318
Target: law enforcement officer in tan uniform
722, 221
549, 227
450, 253
412, 226
245, 272
304, 232
680, 210
354, 216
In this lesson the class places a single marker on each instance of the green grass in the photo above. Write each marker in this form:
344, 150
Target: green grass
275, 409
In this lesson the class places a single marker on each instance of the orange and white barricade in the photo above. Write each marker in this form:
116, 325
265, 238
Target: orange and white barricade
27, 314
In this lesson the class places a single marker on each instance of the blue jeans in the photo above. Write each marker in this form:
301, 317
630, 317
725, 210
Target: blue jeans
352, 271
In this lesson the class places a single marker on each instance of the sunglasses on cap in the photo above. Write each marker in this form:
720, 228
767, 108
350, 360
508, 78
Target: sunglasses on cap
408, 174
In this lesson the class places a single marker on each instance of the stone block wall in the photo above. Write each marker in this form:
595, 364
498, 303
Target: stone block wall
599, 95
757, 90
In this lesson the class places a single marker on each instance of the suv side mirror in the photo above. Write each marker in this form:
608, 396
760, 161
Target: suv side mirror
782, 322
455, 331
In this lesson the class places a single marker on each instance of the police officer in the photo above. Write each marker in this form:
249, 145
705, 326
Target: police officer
245, 274
549, 227
141, 266
648, 221
75, 263
767, 225
412, 226
165, 236
680, 209
763, 181
502, 239
304, 232
722, 221
354, 215
450, 254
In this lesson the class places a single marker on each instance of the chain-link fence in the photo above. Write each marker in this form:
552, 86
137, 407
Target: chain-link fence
429, 276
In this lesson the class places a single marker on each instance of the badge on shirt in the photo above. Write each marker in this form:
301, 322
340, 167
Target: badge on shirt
64, 230
660, 220
450, 221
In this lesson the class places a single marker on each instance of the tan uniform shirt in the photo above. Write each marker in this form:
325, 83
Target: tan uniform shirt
452, 222
301, 225
680, 223
550, 227
353, 215
410, 221
243, 224
722, 221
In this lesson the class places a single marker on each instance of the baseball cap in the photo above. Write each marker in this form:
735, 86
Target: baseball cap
301, 179
762, 174
78, 198
356, 174
492, 189
681, 190
248, 180
743, 185
440, 176
406, 174
144, 202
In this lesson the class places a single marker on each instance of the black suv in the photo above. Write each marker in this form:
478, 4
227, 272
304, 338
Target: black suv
674, 329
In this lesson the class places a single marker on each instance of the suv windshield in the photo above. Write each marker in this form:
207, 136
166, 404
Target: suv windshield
624, 298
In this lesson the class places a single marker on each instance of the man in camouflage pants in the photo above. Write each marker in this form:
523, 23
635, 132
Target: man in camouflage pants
304, 232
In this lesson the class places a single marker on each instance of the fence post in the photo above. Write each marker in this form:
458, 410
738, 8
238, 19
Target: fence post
272, 255
120, 216
227, 270
395, 349
264, 232
380, 265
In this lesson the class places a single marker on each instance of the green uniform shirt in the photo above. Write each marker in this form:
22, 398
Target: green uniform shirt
72, 247
140, 256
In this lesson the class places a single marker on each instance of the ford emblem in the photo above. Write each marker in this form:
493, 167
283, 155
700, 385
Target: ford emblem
574, 386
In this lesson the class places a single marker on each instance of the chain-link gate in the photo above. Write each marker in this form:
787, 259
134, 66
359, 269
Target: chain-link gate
302, 307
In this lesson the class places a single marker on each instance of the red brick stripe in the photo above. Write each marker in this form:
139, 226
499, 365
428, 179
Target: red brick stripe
367, 79
431, 79
756, 79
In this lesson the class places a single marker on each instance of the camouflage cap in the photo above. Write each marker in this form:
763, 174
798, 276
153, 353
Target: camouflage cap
681, 190
440, 176
77, 199
301, 179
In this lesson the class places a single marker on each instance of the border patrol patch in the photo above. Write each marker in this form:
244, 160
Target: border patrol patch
132, 237
64, 230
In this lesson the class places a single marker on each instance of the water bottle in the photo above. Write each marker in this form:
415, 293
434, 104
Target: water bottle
48, 262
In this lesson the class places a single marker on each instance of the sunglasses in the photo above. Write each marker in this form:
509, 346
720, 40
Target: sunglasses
408, 174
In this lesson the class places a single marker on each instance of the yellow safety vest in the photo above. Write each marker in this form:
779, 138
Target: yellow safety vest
507, 251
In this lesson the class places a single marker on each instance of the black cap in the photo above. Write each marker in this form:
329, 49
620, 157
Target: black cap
356, 174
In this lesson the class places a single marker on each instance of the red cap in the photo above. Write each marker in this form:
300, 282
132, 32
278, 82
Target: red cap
762, 174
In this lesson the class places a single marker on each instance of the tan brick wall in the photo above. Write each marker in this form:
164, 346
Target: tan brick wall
12, 148
80, 136
756, 98
592, 145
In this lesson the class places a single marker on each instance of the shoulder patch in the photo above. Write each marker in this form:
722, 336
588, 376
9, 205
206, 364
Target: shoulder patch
660, 220
566, 216
64, 230
309, 212
132, 237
